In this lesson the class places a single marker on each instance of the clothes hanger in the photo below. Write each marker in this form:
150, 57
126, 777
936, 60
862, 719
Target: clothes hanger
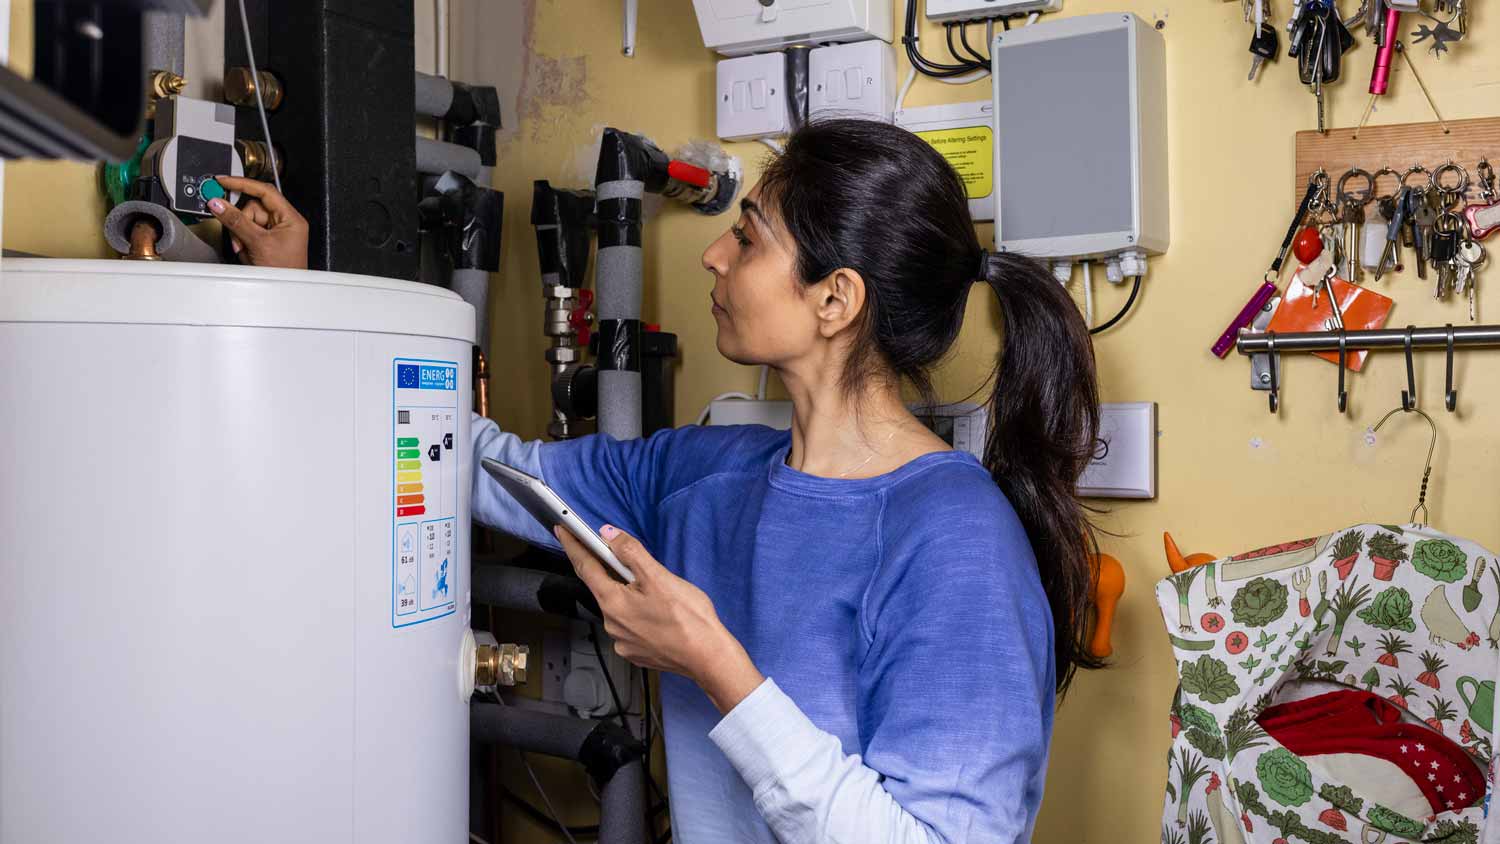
1426, 470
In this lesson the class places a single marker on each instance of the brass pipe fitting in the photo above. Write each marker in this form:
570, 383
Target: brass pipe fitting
143, 238
240, 84
257, 161
165, 83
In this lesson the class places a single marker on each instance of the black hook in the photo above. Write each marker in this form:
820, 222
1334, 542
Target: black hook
1343, 354
1450, 394
1409, 395
1271, 356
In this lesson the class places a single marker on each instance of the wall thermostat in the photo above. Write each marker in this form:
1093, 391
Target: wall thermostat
195, 143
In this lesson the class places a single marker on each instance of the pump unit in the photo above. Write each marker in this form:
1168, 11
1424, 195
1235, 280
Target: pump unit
742, 27
235, 568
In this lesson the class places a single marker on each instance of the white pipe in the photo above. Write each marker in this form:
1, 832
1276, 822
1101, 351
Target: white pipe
632, 12
440, 36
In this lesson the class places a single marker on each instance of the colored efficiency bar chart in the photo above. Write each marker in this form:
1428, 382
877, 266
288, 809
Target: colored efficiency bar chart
409, 498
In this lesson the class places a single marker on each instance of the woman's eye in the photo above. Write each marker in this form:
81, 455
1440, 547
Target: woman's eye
739, 235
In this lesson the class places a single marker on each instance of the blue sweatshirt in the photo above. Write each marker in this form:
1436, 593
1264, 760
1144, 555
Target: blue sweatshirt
901, 614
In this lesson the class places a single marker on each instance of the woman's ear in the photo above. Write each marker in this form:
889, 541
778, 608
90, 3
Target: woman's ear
840, 299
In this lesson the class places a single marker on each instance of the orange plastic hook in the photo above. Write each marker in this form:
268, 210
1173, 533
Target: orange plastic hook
1109, 585
1177, 562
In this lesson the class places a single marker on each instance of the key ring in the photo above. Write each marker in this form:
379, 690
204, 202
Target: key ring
1486, 179
1364, 197
1450, 195
1375, 181
1412, 171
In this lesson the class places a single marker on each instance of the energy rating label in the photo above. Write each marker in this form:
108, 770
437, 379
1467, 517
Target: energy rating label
424, 482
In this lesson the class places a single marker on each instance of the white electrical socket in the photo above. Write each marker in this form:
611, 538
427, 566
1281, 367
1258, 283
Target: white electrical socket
1128, 468
751, 97
973, 10
852, 80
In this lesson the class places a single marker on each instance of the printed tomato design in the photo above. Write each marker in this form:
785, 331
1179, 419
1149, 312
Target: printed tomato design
1236, 642
1212, 622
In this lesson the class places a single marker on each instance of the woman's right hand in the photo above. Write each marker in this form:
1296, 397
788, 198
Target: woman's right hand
268, 231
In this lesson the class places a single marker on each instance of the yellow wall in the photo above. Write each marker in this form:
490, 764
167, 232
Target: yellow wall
1232, 477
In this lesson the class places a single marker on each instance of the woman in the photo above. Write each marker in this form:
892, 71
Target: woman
863, 630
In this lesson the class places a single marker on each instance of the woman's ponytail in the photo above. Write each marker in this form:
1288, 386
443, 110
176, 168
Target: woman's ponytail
1044, 426
878, 199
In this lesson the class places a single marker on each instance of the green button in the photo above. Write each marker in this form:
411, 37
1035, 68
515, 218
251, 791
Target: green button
407, 442
409, 453
211, 189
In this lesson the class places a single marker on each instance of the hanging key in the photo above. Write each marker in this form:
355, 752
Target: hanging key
1390, 258
1421, 218
1472, 256
1352, 217
1444, 250
1264, 47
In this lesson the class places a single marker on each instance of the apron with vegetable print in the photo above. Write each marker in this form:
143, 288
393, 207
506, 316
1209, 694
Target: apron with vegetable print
1406, 613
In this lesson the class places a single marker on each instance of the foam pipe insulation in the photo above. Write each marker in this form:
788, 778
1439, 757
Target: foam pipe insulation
176, 243
437, 157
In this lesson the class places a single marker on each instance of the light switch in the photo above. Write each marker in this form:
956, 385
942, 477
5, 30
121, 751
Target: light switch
749, 97
854, 82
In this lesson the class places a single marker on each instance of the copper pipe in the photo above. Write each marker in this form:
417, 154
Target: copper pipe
143, 237
481, 383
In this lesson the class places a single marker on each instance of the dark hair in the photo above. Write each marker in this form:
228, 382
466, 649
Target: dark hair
878, 200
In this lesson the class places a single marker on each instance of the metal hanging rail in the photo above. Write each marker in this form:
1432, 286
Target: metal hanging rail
1258, 342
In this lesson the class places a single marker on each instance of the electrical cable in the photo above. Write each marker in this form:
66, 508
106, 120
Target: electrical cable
260, 101
765, 376
531, 811
609, 680
475, 839
614, 695
546, 800
924, 65
1134, 291
771, 142
963, 38
440, 38
1088, 294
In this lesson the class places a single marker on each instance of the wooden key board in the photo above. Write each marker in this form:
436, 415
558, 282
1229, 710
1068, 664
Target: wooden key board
1400, 146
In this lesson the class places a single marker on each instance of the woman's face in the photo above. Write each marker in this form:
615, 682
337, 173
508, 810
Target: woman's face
765, 314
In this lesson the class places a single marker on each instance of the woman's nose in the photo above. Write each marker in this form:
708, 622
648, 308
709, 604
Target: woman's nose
716, 256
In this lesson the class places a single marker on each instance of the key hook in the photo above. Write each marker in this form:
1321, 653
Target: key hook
1273, 357
1426, 469
1409, 395
1450, 394
1343, 354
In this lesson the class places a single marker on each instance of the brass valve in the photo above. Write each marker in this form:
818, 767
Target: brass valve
500, 665
165, 83
239, 88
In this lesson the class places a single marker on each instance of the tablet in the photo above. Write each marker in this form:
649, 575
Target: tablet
546, 507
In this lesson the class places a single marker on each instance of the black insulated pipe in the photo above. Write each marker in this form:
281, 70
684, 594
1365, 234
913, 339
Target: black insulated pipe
797, 86
529, 590
612, 756
564, 221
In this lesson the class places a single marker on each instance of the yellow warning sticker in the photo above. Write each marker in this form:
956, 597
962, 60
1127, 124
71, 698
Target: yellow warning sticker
971, 151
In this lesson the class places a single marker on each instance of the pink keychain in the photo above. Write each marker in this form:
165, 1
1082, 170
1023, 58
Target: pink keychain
1267, 289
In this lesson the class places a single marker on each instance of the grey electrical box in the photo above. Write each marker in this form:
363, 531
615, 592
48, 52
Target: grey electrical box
1081, 137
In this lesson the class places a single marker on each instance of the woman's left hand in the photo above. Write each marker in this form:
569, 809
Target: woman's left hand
662, 621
